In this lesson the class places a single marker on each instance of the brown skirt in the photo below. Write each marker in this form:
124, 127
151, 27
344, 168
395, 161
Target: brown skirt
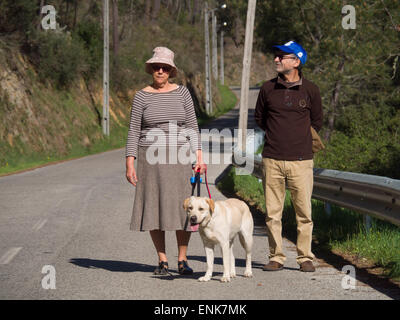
160, 192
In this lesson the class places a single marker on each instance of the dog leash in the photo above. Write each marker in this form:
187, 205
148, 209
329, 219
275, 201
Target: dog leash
205, 175
196, 180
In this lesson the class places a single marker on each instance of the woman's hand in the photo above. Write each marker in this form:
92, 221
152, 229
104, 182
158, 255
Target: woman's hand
130, 171
200, 166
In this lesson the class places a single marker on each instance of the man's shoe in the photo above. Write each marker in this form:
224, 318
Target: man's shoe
307, 266
273, 266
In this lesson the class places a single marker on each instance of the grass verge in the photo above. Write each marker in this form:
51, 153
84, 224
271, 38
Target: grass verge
20, 162
228, 101
342, 231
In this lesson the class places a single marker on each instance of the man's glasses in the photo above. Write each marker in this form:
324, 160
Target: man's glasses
156, 67
282, 57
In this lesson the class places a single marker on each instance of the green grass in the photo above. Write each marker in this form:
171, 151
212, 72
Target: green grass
245, 186
227, 102
343, 230
381, 245
18, 162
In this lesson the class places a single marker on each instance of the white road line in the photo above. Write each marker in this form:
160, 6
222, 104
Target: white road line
9, 255
38, 225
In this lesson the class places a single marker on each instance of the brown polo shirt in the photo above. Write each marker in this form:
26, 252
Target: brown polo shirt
285, 111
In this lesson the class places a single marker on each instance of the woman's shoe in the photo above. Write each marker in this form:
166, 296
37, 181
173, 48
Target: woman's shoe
184, 268
162, 269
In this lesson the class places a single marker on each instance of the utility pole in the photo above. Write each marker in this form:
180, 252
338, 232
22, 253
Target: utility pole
221, 76
214, 44
244, 93
106, 103
207, 48
215, 53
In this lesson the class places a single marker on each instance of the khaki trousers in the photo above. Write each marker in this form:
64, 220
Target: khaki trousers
299, 177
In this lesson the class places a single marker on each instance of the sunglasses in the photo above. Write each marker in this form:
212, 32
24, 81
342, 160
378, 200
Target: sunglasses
156, 67
282, 57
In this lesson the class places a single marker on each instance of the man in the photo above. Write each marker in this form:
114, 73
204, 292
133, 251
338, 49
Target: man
287, 107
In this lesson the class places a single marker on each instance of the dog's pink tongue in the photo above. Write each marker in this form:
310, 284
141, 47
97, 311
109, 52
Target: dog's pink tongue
194, 227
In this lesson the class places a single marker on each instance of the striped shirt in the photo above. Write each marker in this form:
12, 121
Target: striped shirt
162, 119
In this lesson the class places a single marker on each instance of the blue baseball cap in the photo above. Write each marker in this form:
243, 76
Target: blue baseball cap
295, 48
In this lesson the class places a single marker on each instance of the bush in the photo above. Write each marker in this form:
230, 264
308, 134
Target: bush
17, 15
90, 34
61, 57
366, 142
120, 76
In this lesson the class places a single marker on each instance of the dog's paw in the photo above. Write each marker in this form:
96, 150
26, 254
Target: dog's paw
204, 279
225, 279
248, 274
233, 274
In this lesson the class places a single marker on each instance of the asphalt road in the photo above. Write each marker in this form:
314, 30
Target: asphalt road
74, 217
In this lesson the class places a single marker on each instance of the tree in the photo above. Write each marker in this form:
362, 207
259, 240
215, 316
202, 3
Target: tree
75, 12
235, 16
39, 25
196, 10
115, 28
155, 10
147, 11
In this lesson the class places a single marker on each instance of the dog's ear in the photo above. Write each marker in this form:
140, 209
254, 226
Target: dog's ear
186, 203
211, 204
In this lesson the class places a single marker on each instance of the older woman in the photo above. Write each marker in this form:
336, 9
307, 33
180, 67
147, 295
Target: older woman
163, 122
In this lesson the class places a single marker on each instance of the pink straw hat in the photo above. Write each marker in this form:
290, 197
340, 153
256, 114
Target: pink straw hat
162, 55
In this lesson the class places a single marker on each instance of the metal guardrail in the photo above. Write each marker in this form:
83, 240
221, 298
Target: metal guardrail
368, 194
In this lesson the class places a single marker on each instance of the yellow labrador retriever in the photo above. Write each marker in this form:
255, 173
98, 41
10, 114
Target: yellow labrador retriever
219, 222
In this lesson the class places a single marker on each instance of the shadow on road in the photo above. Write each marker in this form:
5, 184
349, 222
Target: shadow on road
123, 266
111, 265
238, 262
218, 260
